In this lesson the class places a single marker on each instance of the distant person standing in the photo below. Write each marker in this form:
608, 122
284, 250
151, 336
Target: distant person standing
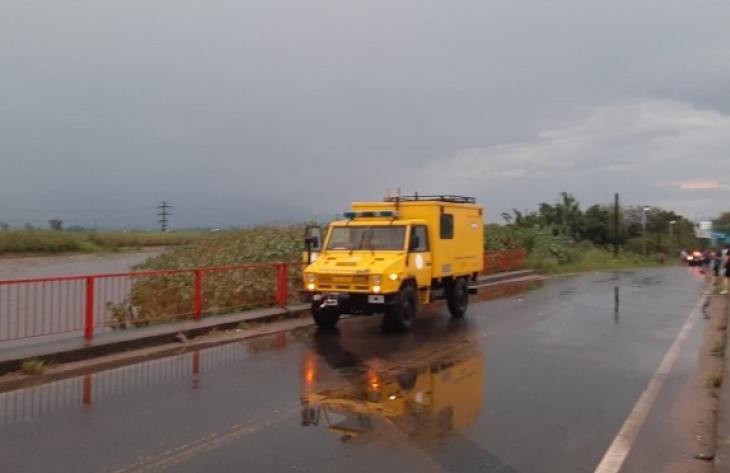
725, 271
683, 257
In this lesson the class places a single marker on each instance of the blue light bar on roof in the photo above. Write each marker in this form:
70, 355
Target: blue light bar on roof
371, 214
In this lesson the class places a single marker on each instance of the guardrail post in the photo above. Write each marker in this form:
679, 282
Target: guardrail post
521, 257
198, 294
282, 282
89, 312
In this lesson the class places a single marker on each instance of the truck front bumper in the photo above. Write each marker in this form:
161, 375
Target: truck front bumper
353, 303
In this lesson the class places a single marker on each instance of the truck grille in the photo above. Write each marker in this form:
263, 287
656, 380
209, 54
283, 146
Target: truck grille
346, 282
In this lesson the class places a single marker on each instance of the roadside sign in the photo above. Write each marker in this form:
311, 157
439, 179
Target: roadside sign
704, 229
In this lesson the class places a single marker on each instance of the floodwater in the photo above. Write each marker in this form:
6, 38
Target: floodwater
68, 265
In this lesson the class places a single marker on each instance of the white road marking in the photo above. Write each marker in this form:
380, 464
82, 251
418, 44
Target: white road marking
624, 441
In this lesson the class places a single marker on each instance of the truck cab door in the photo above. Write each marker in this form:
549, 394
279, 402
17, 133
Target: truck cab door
419, 255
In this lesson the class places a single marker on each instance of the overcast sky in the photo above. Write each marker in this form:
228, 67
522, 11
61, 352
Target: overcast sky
242, 112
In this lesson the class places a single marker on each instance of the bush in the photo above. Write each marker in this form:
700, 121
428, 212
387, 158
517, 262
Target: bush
550, 253
160, 298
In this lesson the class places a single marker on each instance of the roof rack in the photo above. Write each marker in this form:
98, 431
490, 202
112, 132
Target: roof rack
438, 198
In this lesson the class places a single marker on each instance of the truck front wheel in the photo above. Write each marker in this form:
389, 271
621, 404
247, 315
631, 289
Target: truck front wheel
400, 315
325, 317
457, 297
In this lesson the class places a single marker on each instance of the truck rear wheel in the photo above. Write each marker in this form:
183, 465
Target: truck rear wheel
325, 317
457, 297
400, 315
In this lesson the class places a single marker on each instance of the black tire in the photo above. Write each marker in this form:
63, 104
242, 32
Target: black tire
400, 315
457, 297
326, 317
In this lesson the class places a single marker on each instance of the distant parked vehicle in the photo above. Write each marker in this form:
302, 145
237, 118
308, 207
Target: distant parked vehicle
695, 258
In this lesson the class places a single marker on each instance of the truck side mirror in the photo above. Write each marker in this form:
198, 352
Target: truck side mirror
313, 237
311, 243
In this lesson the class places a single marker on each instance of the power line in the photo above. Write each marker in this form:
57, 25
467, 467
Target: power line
163, 214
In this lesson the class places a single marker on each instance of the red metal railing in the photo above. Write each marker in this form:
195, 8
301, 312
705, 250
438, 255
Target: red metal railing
87, 304
504, 260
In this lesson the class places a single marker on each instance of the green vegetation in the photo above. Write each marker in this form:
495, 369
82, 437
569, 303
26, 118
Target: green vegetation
33, 366
251, 245
722, 223
590, 259
715, 381
157, 299
561, 238
34, 241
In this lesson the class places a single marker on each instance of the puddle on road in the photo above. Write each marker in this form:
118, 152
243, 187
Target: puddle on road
184, 370
427, 393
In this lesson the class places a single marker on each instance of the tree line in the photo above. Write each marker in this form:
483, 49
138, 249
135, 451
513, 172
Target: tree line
665, 230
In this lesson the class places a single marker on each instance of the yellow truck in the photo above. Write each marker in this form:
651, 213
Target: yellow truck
389, 257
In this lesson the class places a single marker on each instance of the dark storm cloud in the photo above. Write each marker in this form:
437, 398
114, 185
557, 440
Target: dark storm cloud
242, 112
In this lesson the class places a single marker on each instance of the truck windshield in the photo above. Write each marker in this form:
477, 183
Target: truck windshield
367, 238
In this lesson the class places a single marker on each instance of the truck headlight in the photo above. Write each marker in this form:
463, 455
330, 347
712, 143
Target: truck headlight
393, 276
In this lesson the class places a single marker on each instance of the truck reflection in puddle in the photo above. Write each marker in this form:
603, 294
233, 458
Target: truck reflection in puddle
428, 393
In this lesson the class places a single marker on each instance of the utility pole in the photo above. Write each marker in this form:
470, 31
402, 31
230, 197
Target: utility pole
643, 228
163, 214
615, 226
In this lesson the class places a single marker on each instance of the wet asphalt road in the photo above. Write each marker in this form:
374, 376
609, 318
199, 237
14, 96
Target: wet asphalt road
539, 381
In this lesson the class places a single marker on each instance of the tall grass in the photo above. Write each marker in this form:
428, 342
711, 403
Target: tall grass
589, 259
140, 239
158, 299
51, 241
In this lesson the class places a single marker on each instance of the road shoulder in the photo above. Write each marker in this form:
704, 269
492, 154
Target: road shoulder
720, 307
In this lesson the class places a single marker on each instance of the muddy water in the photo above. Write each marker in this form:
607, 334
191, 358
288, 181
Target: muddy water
39, 266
